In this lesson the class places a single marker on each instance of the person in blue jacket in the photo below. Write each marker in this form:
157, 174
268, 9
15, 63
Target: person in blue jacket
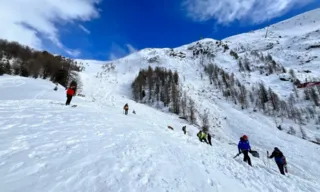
280, 160
244, 147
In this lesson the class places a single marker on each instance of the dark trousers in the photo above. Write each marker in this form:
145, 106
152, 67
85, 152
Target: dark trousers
203, 140
209, 140
69, 98
246, 157
126, 112
281, 168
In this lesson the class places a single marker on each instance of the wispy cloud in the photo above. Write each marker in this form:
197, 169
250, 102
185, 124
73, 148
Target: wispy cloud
227, 11
84, 29
74, 53
28, 21
131, 49
112, 57
118, 51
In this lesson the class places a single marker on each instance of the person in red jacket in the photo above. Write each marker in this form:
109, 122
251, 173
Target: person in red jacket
126, 108
70, 93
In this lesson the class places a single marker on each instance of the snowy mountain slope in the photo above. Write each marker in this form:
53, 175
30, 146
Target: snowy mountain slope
45, 146
192, 76
291, 51
289, 42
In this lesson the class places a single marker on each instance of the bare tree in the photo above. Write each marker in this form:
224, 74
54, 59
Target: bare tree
311, 112
284, 109
192, 111
306, 94
314, 96
175, 97
295, 91
274, 99
263, 96
303, 133
205, 121
292, 131
241, 68
291, 101
247, 64
243, 97
293, 75
183, 104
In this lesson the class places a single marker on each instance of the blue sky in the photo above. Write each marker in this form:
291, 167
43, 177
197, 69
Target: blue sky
110, 29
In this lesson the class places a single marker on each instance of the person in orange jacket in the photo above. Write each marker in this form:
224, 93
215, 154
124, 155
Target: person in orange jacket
70, 93
126, 108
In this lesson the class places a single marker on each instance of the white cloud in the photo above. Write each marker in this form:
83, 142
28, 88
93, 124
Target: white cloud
118, 51
84, 29
74, 53
26, 21
131, 49
226, 11
112, 57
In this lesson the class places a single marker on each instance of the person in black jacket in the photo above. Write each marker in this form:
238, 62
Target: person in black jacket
184, 129
280, 159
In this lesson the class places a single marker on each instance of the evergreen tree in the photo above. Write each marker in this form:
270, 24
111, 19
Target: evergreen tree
2, 68
8, 68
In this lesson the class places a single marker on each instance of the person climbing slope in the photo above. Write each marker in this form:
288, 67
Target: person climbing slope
202, 136
70, 93
280, 159
184, 129
126, 109
244, 147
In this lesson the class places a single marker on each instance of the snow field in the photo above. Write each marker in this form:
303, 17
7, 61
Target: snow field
46, 146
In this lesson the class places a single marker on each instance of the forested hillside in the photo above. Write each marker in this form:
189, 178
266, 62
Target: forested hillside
16, 59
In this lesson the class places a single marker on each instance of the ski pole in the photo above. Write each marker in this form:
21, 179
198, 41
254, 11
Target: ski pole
237, 155
267, 159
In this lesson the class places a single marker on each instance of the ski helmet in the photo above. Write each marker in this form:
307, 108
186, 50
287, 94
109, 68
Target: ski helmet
245, 137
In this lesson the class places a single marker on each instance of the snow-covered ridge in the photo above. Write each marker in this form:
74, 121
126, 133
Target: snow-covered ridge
296, 51
292, 42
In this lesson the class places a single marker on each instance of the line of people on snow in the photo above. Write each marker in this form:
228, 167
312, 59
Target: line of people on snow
245, 148
243, 145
